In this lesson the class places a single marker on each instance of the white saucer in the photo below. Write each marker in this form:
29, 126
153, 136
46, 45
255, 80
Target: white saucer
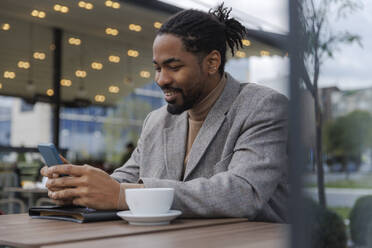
149, 220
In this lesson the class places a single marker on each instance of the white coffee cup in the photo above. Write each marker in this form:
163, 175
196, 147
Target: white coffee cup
149, 201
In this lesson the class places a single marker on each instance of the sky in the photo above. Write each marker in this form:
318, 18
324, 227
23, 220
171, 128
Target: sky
351, 64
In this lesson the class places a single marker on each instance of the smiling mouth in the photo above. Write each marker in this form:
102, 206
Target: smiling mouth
170, 95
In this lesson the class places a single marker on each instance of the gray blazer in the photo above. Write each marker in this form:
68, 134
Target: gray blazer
237, 165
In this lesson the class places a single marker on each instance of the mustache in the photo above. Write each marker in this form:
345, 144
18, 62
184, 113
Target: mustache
171, 88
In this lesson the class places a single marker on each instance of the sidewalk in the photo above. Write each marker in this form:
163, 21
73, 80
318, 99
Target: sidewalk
331, 177
339, 197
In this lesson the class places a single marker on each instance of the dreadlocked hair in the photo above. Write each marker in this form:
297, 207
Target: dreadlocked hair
201, 32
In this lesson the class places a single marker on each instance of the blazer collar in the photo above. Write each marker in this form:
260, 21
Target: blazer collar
212, 123
174, 137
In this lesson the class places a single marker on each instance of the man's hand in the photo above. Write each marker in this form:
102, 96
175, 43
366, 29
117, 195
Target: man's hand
85, 186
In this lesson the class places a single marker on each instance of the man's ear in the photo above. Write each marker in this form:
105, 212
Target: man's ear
213, 60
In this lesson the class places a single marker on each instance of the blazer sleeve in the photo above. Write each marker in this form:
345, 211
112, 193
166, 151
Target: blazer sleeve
129, 172
257, 165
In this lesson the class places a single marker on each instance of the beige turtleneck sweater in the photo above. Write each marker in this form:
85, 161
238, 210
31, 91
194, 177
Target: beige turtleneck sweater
198, 114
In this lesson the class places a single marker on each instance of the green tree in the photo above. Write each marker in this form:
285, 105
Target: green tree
347, 137
320, 42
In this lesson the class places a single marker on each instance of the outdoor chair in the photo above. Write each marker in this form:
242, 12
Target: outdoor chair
9, 179
8, 206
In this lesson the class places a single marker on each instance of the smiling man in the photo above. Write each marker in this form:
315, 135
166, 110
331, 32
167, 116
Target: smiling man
219, 143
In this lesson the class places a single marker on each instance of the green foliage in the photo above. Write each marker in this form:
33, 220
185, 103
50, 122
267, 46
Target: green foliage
327, 229
347, 137
344, 212
361, 220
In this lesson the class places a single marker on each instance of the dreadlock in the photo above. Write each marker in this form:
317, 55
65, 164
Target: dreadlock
203, 32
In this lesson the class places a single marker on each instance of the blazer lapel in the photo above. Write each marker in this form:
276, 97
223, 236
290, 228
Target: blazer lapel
174, 140
212, 124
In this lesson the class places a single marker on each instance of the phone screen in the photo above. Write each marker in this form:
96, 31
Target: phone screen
50, 154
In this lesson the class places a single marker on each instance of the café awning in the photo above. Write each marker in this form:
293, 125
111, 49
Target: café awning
106, 48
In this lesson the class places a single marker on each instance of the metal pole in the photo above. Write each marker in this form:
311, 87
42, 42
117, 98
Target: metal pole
299, 237
57, 68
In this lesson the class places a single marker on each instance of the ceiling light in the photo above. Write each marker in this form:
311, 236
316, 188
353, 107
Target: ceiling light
89, 6
114, 89
264, 53
112, 31
134, 27
85, 5
112, 4
64, 9
23, 64
74, 41
50, 92
61, 8
240, 54
57, 7
81, 4
99, 98
39, 55
9, 74
246, 42
80, 73
114, 59
5, 26
41, 14
108, 3
97, 66
116, 5
145, 74
38, 13
133, 53
157, 25
66, 82
35, 13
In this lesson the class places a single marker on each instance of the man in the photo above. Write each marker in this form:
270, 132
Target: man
220, 144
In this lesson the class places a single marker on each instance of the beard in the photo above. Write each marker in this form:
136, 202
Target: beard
188, 103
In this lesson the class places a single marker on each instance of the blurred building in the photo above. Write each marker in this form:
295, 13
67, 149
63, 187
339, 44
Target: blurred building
327, 98
336, 102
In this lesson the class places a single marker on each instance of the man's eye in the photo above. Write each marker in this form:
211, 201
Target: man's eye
157, 68
175, 68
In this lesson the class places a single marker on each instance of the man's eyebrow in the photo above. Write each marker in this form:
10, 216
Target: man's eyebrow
167, 61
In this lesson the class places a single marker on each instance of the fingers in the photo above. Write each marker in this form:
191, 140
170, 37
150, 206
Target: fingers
69, 169
45, 172
53, 189
65, 161
65, 182
63, 202
81, 202
65, 194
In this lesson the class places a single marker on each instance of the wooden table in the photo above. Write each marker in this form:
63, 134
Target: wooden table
21, 231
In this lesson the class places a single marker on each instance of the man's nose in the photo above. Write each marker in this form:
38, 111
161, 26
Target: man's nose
163, 79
